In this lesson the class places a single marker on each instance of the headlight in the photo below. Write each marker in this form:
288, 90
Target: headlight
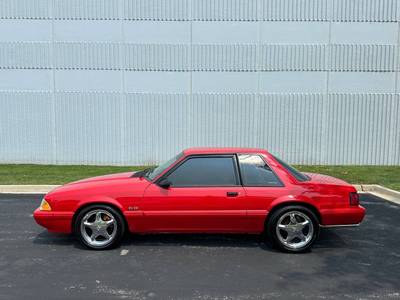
45, 206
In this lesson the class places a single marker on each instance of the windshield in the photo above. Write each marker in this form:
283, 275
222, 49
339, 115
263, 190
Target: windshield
296, 173
154, 172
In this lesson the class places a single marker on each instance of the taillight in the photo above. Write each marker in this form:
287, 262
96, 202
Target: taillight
354, 199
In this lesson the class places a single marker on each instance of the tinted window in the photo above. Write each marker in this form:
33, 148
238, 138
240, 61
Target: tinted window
255, 172
205, 171
297, 174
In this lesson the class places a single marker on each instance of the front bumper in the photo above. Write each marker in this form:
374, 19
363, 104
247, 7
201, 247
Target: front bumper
54, 221
342, 216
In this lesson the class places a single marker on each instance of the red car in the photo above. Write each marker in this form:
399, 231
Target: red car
204, 190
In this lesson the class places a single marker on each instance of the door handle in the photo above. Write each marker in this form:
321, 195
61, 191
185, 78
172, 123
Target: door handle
232, 194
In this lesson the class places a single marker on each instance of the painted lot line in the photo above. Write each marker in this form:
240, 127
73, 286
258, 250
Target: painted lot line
346, 263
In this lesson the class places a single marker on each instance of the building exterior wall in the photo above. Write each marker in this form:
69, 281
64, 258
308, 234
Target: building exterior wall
135, 81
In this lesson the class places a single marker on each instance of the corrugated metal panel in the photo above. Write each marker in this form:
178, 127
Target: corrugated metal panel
362, 82
291, 126
224, 57
394, 154
19, 80
87, 80
205, 10
156, 9
142, 128
294, 57
23, 55
26, 127
86, 9
156, 126
225, 82
170, 57
319, 57
225, 10
285, 82
320, 10
363, 58
295, 10
360, 129
88, 128
365, 10
25, 9
157, 82
76, 55
225, 120
135, 81
153, 57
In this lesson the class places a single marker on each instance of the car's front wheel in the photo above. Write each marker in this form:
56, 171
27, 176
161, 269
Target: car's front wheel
293, 228
99, 227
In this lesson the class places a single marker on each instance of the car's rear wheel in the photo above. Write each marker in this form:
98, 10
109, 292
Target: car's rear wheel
293, 228
99, 227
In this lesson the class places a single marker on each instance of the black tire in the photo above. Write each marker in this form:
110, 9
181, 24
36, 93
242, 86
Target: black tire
272, 223
118, 221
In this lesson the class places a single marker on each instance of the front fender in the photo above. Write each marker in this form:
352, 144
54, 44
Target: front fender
98, 199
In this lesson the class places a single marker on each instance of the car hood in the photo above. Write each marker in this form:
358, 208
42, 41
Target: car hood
325, 179
108, 185
116, 176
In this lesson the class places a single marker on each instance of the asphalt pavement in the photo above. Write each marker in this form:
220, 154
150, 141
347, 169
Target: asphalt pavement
346, 263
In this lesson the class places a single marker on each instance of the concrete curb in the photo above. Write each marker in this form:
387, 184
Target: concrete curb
26, 189
374, 189
380, 191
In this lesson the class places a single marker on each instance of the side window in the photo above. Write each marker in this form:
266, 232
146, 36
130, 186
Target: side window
255, 172
205, 171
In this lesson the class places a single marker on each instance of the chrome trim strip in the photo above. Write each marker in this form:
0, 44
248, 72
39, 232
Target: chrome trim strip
344, 225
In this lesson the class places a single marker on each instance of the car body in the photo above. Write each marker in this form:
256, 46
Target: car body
204, 190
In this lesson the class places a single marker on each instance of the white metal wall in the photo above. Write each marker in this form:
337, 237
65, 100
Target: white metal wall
135, 81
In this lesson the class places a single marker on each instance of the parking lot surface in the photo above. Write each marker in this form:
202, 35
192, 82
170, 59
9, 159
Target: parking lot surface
346, 263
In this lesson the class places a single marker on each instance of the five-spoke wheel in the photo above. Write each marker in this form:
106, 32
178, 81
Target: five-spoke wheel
99, 227
293, 228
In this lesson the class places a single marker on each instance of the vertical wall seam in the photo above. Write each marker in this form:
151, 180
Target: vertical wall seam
53, 93
397, 60
324, 156
395, 113
189, 121
260, 129
122, 49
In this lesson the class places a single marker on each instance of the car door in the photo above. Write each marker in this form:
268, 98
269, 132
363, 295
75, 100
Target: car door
261, 186
204, 195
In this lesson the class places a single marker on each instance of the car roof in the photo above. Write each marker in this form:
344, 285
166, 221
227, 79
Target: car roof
222, 150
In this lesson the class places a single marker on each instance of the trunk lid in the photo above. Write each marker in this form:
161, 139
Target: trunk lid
325, 179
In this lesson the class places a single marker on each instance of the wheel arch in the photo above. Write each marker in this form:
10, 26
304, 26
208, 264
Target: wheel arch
86, 204
279, 205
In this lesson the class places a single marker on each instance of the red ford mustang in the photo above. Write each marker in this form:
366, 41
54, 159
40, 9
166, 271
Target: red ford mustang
208, 190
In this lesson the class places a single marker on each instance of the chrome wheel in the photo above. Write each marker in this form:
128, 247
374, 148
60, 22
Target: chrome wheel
294, 230
98, 227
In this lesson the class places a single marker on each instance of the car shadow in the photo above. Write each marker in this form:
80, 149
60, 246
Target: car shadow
328, 239
56, 239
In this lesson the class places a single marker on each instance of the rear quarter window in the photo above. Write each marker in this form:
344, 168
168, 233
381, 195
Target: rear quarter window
255, 172
293, 171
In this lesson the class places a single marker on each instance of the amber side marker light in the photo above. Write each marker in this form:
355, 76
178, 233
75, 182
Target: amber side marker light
45, 206
354, 199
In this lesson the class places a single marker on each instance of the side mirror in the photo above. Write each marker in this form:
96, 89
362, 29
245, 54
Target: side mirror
164, 183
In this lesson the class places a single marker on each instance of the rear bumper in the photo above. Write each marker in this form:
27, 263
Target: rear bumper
54, 221
342, 216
